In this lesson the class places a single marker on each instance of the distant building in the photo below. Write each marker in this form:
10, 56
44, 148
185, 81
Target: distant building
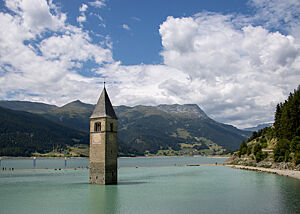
269, 151
103, 142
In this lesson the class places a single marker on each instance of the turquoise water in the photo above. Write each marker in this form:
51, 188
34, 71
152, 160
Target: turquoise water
195, 189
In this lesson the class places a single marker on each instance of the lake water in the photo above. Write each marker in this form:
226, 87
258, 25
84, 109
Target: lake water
122, 162
193, 189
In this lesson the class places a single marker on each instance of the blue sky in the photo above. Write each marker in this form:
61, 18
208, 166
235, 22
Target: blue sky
141, 43
236, 59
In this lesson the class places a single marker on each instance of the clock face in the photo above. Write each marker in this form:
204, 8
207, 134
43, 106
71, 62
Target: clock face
96, 139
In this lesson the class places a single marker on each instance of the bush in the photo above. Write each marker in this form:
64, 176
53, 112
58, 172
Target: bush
287, 156
260, 156
249, 150
295, 144
257, 148
263, 142
282, 150
243, 148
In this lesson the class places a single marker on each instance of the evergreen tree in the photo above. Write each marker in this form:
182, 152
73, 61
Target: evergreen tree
287, 117
256, 148
243, 148
281, 150
295, 144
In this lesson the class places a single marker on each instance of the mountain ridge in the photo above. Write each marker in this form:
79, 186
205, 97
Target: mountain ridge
258, 127
149, 129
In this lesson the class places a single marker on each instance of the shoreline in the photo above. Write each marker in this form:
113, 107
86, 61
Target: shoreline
287, 173
40, 157
158, 156
124, 167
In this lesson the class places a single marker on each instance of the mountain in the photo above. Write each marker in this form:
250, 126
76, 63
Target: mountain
177, 128
169, 126
258, 127
22, 133
33, 107
75, 114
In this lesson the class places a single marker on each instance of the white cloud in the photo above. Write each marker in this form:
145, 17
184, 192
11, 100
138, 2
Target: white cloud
235, 71
44, 68
237, 75
277, 13
82, 17
35, 15
126, 27
97, 3
136, 19
98, 16
142, 84
83, 8
73, 47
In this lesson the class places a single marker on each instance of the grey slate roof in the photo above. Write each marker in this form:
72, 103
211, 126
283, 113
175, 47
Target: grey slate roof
103, 107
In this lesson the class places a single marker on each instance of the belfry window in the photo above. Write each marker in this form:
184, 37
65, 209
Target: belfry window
97, 127
111, 127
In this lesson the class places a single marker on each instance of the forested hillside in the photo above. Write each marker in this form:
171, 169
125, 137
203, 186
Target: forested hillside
283, 138
22, 133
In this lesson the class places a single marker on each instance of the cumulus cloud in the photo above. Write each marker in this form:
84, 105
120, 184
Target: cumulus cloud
239, 73
44, 67
236, 72
126, 27
36, 15
83, 8
143, 84
82, 17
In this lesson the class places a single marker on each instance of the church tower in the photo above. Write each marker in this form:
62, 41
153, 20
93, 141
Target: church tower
103, 142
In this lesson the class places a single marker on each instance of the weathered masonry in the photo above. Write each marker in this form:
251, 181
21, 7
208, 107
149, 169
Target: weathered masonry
103, 142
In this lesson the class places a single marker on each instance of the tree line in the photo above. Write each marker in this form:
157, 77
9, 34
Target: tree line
286, 130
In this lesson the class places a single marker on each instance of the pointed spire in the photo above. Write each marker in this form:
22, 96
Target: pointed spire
103, 107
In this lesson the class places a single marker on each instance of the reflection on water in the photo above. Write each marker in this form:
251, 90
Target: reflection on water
130, 183
103, 199
34, 162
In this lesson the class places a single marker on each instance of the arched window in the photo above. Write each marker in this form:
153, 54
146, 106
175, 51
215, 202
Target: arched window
97, 127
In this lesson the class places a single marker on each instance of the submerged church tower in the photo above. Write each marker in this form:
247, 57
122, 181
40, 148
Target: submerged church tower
103, 142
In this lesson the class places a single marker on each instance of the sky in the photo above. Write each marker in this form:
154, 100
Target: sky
236, 59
